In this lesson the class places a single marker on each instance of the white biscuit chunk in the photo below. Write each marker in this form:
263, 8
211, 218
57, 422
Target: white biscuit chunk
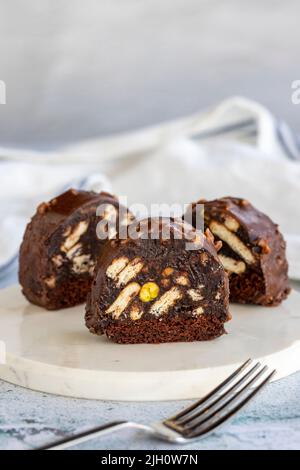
123, 300
233, 241
116, 267
166, 301
129, 272
232, 265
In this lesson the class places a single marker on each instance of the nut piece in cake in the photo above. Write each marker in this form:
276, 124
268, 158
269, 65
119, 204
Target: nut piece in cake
149, 291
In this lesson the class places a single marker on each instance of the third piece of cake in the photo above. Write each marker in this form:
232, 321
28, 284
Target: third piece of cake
253, 250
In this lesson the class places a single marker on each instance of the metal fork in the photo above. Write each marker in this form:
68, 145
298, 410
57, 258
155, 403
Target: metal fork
199, 419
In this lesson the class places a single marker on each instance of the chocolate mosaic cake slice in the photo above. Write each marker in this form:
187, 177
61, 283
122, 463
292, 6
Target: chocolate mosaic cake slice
60, 247
253, 251
154, 288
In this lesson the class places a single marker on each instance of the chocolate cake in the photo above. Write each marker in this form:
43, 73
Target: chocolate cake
253, 251
153, 288
60, 247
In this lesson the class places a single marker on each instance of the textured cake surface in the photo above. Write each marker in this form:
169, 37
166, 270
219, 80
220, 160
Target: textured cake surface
60, 248
253, 250
150, 290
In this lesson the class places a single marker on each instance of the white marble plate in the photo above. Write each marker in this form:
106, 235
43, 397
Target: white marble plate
54, 352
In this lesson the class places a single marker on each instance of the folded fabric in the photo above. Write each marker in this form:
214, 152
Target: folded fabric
185, 171
235, 148
23, 186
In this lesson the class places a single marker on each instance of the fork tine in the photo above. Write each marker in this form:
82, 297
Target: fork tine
219, 388
223, 396
210, 412
213, 424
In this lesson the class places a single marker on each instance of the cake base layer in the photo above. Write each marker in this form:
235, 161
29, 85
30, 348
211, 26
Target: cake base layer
250, 285
171, 329
68, 294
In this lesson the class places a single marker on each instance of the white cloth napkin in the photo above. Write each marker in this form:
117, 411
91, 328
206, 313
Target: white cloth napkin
23, 185
236, 148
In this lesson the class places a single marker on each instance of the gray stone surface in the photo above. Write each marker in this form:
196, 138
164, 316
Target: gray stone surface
29, 419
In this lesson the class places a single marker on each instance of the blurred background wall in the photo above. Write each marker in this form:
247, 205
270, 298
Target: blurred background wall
82, 68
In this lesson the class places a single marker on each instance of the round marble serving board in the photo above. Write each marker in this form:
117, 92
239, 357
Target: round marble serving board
54, 352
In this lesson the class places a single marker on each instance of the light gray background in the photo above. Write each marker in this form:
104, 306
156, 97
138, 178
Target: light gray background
77, 69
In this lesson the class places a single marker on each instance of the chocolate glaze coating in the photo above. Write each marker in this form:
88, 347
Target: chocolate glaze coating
60, 247
265, 279
191, 297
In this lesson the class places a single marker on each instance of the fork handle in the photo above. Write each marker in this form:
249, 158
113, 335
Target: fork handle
91, 434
